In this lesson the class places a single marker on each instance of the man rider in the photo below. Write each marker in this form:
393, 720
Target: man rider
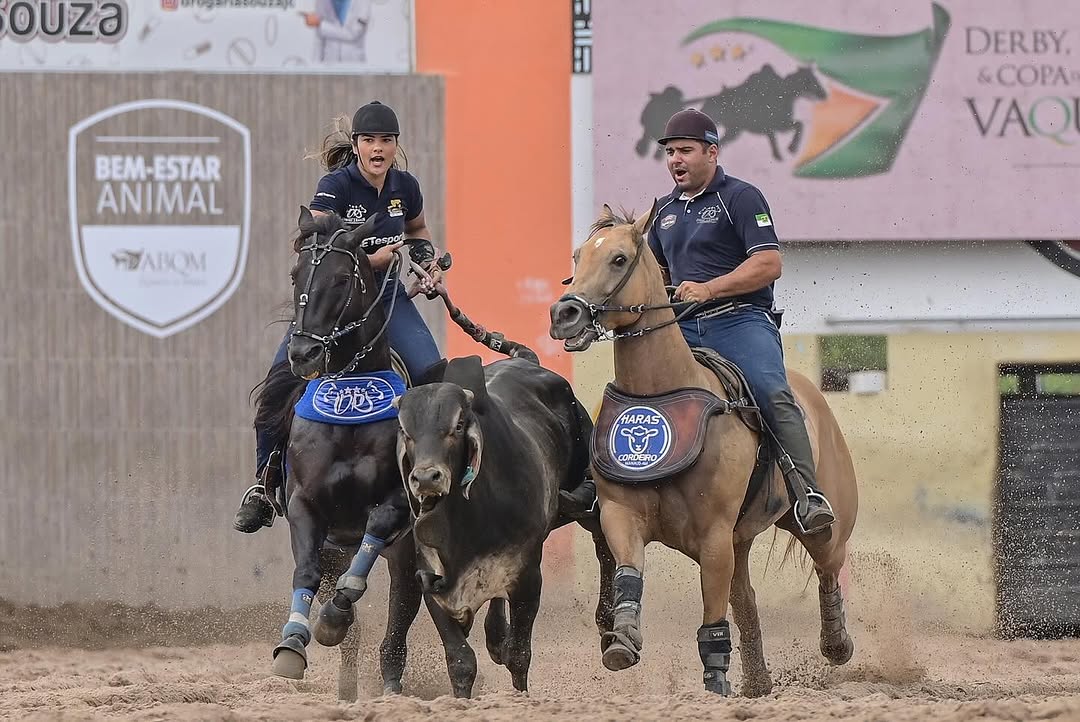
714, 237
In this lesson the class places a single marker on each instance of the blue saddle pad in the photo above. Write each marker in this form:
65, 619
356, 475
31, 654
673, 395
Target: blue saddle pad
354, 399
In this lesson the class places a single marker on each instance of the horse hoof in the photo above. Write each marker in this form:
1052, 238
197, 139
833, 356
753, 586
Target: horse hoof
840, 654
290, 659
719, 686
756, 687
392, 687
618, 656
332, 624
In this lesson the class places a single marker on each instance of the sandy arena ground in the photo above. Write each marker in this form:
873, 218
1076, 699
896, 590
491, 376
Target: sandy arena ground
918, 656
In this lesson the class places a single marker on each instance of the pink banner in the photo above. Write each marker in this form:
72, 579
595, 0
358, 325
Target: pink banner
951, 120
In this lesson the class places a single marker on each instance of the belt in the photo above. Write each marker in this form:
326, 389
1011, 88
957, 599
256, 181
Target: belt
721, 309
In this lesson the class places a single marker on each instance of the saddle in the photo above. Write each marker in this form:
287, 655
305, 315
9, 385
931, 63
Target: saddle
646, 439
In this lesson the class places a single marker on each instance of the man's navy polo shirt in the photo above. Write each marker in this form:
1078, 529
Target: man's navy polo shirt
711, 234
348, 193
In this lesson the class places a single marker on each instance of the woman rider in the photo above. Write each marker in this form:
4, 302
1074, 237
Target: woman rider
364, 179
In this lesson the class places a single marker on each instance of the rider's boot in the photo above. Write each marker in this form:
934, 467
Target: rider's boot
816, 514
580, 503
256, 510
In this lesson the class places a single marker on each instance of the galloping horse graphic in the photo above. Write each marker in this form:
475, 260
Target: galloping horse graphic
763, 104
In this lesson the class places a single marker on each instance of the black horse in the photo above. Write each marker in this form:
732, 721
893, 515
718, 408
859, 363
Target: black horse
343, 492
344, 496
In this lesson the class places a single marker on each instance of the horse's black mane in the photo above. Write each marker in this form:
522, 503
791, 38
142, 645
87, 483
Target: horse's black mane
324, 224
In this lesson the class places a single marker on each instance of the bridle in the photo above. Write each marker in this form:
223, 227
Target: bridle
318, 252
595, 309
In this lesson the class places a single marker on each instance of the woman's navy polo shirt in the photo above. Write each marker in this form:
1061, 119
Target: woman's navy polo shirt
348, 193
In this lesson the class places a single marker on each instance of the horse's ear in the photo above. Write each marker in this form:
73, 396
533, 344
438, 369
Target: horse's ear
641, 225
306, 221
358, 234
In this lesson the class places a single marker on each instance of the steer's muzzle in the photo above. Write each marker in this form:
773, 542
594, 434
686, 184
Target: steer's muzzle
429, 483
572, 323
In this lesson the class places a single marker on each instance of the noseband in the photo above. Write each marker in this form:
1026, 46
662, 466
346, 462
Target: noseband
595, 309
318, 252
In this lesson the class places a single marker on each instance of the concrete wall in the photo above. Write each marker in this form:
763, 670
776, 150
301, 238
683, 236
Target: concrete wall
122, 455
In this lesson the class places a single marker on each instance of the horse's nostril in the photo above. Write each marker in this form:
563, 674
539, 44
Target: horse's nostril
312, 353
569, 313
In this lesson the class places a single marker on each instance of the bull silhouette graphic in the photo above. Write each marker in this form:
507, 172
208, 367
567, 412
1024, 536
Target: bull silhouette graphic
638, 438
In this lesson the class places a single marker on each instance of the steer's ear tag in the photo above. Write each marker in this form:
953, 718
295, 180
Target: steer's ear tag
467, 480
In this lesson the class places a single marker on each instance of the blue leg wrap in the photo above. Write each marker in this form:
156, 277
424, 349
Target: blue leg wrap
355, 578
298, 617
365, 557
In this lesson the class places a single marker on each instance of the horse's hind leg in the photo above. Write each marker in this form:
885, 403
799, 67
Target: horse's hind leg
333, 562
405, 598
836, 644
605, 603
756, 680
829, 555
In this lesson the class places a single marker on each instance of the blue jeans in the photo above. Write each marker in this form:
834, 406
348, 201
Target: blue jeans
408, 335
749, 338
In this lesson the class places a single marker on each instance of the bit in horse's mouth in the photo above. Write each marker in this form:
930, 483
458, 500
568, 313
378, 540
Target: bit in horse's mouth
312, 376
581, 341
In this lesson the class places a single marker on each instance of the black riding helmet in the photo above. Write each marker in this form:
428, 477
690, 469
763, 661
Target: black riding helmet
375, 119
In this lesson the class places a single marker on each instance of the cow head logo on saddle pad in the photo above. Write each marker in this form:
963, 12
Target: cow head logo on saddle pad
640, 438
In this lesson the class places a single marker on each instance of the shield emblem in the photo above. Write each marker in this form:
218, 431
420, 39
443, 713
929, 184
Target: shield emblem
160, 203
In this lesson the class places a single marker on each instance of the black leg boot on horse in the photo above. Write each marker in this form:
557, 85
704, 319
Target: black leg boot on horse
813, 513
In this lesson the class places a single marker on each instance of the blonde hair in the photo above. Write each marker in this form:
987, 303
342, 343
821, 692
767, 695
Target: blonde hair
337, 148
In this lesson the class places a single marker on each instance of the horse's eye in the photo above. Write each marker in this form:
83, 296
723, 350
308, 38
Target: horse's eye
619, 260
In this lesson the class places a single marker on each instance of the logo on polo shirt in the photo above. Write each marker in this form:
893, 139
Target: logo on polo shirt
355, 214
710, 214
395, 208
159, 193
667, 221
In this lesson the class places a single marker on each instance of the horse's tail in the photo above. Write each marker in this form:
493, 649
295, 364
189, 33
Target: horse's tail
275, 397
794, 552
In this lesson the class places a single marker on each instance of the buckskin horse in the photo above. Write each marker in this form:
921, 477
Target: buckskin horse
695, 485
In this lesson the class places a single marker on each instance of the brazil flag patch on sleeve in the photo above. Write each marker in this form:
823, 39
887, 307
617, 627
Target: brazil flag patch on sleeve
763, 220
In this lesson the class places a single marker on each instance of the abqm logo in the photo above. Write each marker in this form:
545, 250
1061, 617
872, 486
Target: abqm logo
640, 438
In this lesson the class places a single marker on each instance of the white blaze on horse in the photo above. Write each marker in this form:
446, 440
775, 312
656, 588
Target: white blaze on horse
703, 479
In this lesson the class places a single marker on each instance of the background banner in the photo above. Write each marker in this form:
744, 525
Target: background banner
950, 120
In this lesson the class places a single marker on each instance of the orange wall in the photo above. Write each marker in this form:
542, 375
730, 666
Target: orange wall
506, 65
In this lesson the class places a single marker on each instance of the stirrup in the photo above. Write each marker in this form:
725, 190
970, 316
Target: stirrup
820, 498
261, 491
